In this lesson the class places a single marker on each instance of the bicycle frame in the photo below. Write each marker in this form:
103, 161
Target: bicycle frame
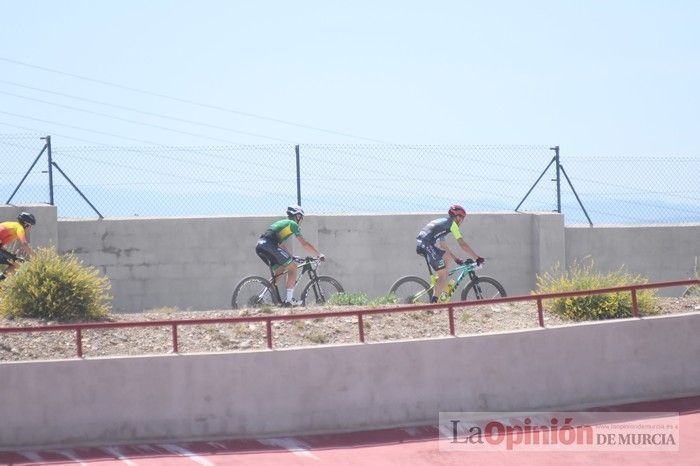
308, 267
466, 269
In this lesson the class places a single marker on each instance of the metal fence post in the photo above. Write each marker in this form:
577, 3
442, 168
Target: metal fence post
48, 152
558, 180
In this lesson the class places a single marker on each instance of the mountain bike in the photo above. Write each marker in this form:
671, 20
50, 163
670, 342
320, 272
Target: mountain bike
255, 291
414, 290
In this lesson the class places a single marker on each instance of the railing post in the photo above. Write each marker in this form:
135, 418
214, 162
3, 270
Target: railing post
635, 311
540, 314
268, 323
175, 349
361, 327
79, 341
451, 313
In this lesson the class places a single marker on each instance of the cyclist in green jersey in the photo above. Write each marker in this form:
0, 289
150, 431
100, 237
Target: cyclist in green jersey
431, 245
272, 250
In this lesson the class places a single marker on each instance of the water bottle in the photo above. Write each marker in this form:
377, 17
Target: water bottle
450, 287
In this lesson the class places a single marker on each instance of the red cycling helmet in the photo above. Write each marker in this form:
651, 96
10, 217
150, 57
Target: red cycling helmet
456, 209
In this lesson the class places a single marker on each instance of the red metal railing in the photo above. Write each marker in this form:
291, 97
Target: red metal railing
359, 313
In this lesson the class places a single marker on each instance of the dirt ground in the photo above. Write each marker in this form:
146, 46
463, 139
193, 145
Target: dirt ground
297, 333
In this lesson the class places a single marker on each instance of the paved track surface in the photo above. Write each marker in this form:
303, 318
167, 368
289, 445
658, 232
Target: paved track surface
399, 446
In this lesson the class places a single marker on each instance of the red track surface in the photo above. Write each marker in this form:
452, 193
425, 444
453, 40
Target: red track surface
409, 446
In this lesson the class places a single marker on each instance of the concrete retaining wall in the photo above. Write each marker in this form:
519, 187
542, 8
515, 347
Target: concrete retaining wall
350, 387
659, 252
196, 262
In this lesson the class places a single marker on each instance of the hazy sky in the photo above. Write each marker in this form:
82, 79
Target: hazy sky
607, 77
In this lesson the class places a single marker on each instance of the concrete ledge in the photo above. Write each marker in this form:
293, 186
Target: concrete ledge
340, 388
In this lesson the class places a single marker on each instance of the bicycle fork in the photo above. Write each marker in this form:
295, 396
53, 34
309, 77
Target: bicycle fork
316, 287
477, 288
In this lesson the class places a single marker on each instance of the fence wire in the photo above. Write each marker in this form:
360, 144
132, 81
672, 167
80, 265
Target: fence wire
350, 178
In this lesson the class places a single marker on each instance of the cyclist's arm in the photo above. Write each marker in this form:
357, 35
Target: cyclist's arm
26, 249
23, 243
463, 244
308, 246
443, 245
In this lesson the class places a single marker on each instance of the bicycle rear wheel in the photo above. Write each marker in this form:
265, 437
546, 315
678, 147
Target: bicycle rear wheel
320, 290
411, 290
253, 292
483, 288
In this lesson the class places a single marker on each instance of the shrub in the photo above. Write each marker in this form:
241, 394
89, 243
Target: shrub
348, 299
317, 336
595, 307
361, 299
54, 287
389, 298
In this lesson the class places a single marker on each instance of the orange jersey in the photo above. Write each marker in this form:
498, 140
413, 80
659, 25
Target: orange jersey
10, 231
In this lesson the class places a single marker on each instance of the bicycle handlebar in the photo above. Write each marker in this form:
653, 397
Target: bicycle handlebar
307, 259
470, 265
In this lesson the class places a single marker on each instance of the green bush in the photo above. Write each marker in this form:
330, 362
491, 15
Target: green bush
361, 299
389, 298
54, 287
594, 307
348, 299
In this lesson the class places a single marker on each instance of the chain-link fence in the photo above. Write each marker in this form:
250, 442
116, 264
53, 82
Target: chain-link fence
188, 181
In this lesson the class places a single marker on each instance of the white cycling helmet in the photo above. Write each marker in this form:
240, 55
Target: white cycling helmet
294, 210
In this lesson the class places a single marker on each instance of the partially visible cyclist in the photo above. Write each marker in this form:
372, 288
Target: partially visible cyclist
11, 231
272, 250
431, 245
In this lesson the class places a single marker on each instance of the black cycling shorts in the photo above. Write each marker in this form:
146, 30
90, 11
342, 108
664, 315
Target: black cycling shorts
433, 254
272, 254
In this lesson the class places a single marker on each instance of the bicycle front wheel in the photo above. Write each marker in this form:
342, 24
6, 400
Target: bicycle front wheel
411, 290
483, 288
253, 292
320, 290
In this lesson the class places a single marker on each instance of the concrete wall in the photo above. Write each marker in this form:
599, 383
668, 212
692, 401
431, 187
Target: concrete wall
659, 252
196, 262
346, 387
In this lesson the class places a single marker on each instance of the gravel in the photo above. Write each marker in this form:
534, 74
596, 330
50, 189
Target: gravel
252, 336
